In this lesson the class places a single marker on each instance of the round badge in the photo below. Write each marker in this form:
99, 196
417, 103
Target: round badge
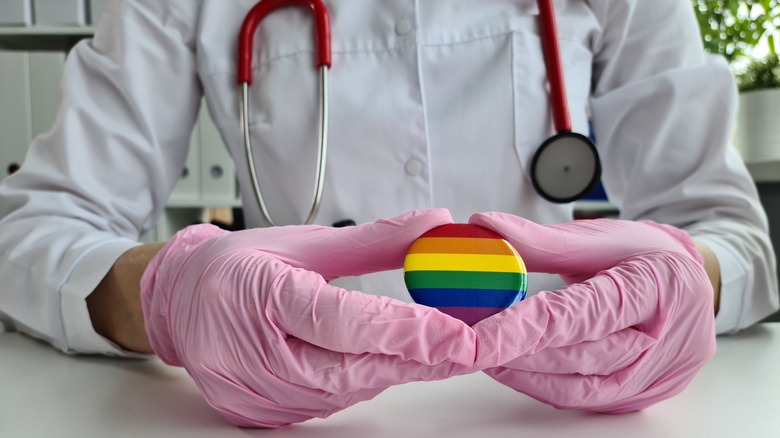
466, 271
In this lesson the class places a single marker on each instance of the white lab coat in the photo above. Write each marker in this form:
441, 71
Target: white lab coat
433, 104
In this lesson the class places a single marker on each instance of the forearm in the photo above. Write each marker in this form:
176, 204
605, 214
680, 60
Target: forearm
115, 305
747, 270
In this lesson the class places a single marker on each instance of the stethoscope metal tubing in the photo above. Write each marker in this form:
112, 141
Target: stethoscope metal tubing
322, 150
244, 78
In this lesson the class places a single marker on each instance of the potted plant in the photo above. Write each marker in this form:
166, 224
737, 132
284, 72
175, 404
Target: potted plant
746, 33
758, 119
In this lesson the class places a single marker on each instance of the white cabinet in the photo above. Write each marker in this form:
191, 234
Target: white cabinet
29, 98
15, 13
209, 178
96, 8
59, 12
15, 123
45, 77
217, 171
187, 190
29, 95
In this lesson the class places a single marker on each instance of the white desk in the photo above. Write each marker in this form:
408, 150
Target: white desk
46, 394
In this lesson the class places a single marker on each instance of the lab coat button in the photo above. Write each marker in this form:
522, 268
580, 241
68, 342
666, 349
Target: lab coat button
403, 27
413, 167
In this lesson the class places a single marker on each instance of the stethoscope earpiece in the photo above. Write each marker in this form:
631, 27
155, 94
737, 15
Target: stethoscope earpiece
565, 168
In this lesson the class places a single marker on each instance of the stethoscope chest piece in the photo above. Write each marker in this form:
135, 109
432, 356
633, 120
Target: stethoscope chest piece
565, 168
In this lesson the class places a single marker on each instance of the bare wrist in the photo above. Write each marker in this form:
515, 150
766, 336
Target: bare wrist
115, 304
712, 267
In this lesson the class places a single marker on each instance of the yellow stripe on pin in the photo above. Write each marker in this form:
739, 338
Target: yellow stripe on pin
462, 262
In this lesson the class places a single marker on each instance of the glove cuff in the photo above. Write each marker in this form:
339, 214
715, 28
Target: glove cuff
154, 302
158, 283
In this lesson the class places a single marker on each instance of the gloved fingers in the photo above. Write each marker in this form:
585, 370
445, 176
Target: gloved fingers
272, 401
570, 391
290, 380
371, 247
347, 251
624, 296
563, 391
246, 288
570, 249
543, 248
600, 357
656, 375
350, 375
255, 403
313, 382
302, 305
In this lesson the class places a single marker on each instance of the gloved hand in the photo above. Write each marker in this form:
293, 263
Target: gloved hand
633, 327
268, 342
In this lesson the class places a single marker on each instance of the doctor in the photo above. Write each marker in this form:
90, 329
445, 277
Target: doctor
436, 109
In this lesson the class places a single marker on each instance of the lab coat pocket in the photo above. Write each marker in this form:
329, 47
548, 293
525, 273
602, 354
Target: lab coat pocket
283, 115
532, 109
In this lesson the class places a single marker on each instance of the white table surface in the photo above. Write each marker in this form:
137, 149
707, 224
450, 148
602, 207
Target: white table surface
47, 394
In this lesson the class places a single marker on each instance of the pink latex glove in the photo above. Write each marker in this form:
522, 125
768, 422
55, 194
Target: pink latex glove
633, 327
268, 342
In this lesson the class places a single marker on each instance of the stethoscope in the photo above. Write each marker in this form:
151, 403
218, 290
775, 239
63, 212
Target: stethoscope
564, 168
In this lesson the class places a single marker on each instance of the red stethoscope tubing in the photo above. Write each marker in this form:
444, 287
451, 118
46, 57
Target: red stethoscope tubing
258, 13
548, 28
552, 60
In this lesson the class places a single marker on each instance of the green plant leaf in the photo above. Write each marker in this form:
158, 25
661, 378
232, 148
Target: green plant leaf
733, 28
760, 74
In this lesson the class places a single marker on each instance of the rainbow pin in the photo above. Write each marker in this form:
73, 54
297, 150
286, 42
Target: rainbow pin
466, 271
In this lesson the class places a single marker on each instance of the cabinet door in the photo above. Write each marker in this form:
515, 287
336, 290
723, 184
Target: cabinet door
60, 12
96, 8
15, 13
15, 120
187, 190
217, 171
29, 98
45, 78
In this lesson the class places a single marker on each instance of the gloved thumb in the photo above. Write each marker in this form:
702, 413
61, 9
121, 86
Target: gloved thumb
580, 248
349, 251
544, 248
